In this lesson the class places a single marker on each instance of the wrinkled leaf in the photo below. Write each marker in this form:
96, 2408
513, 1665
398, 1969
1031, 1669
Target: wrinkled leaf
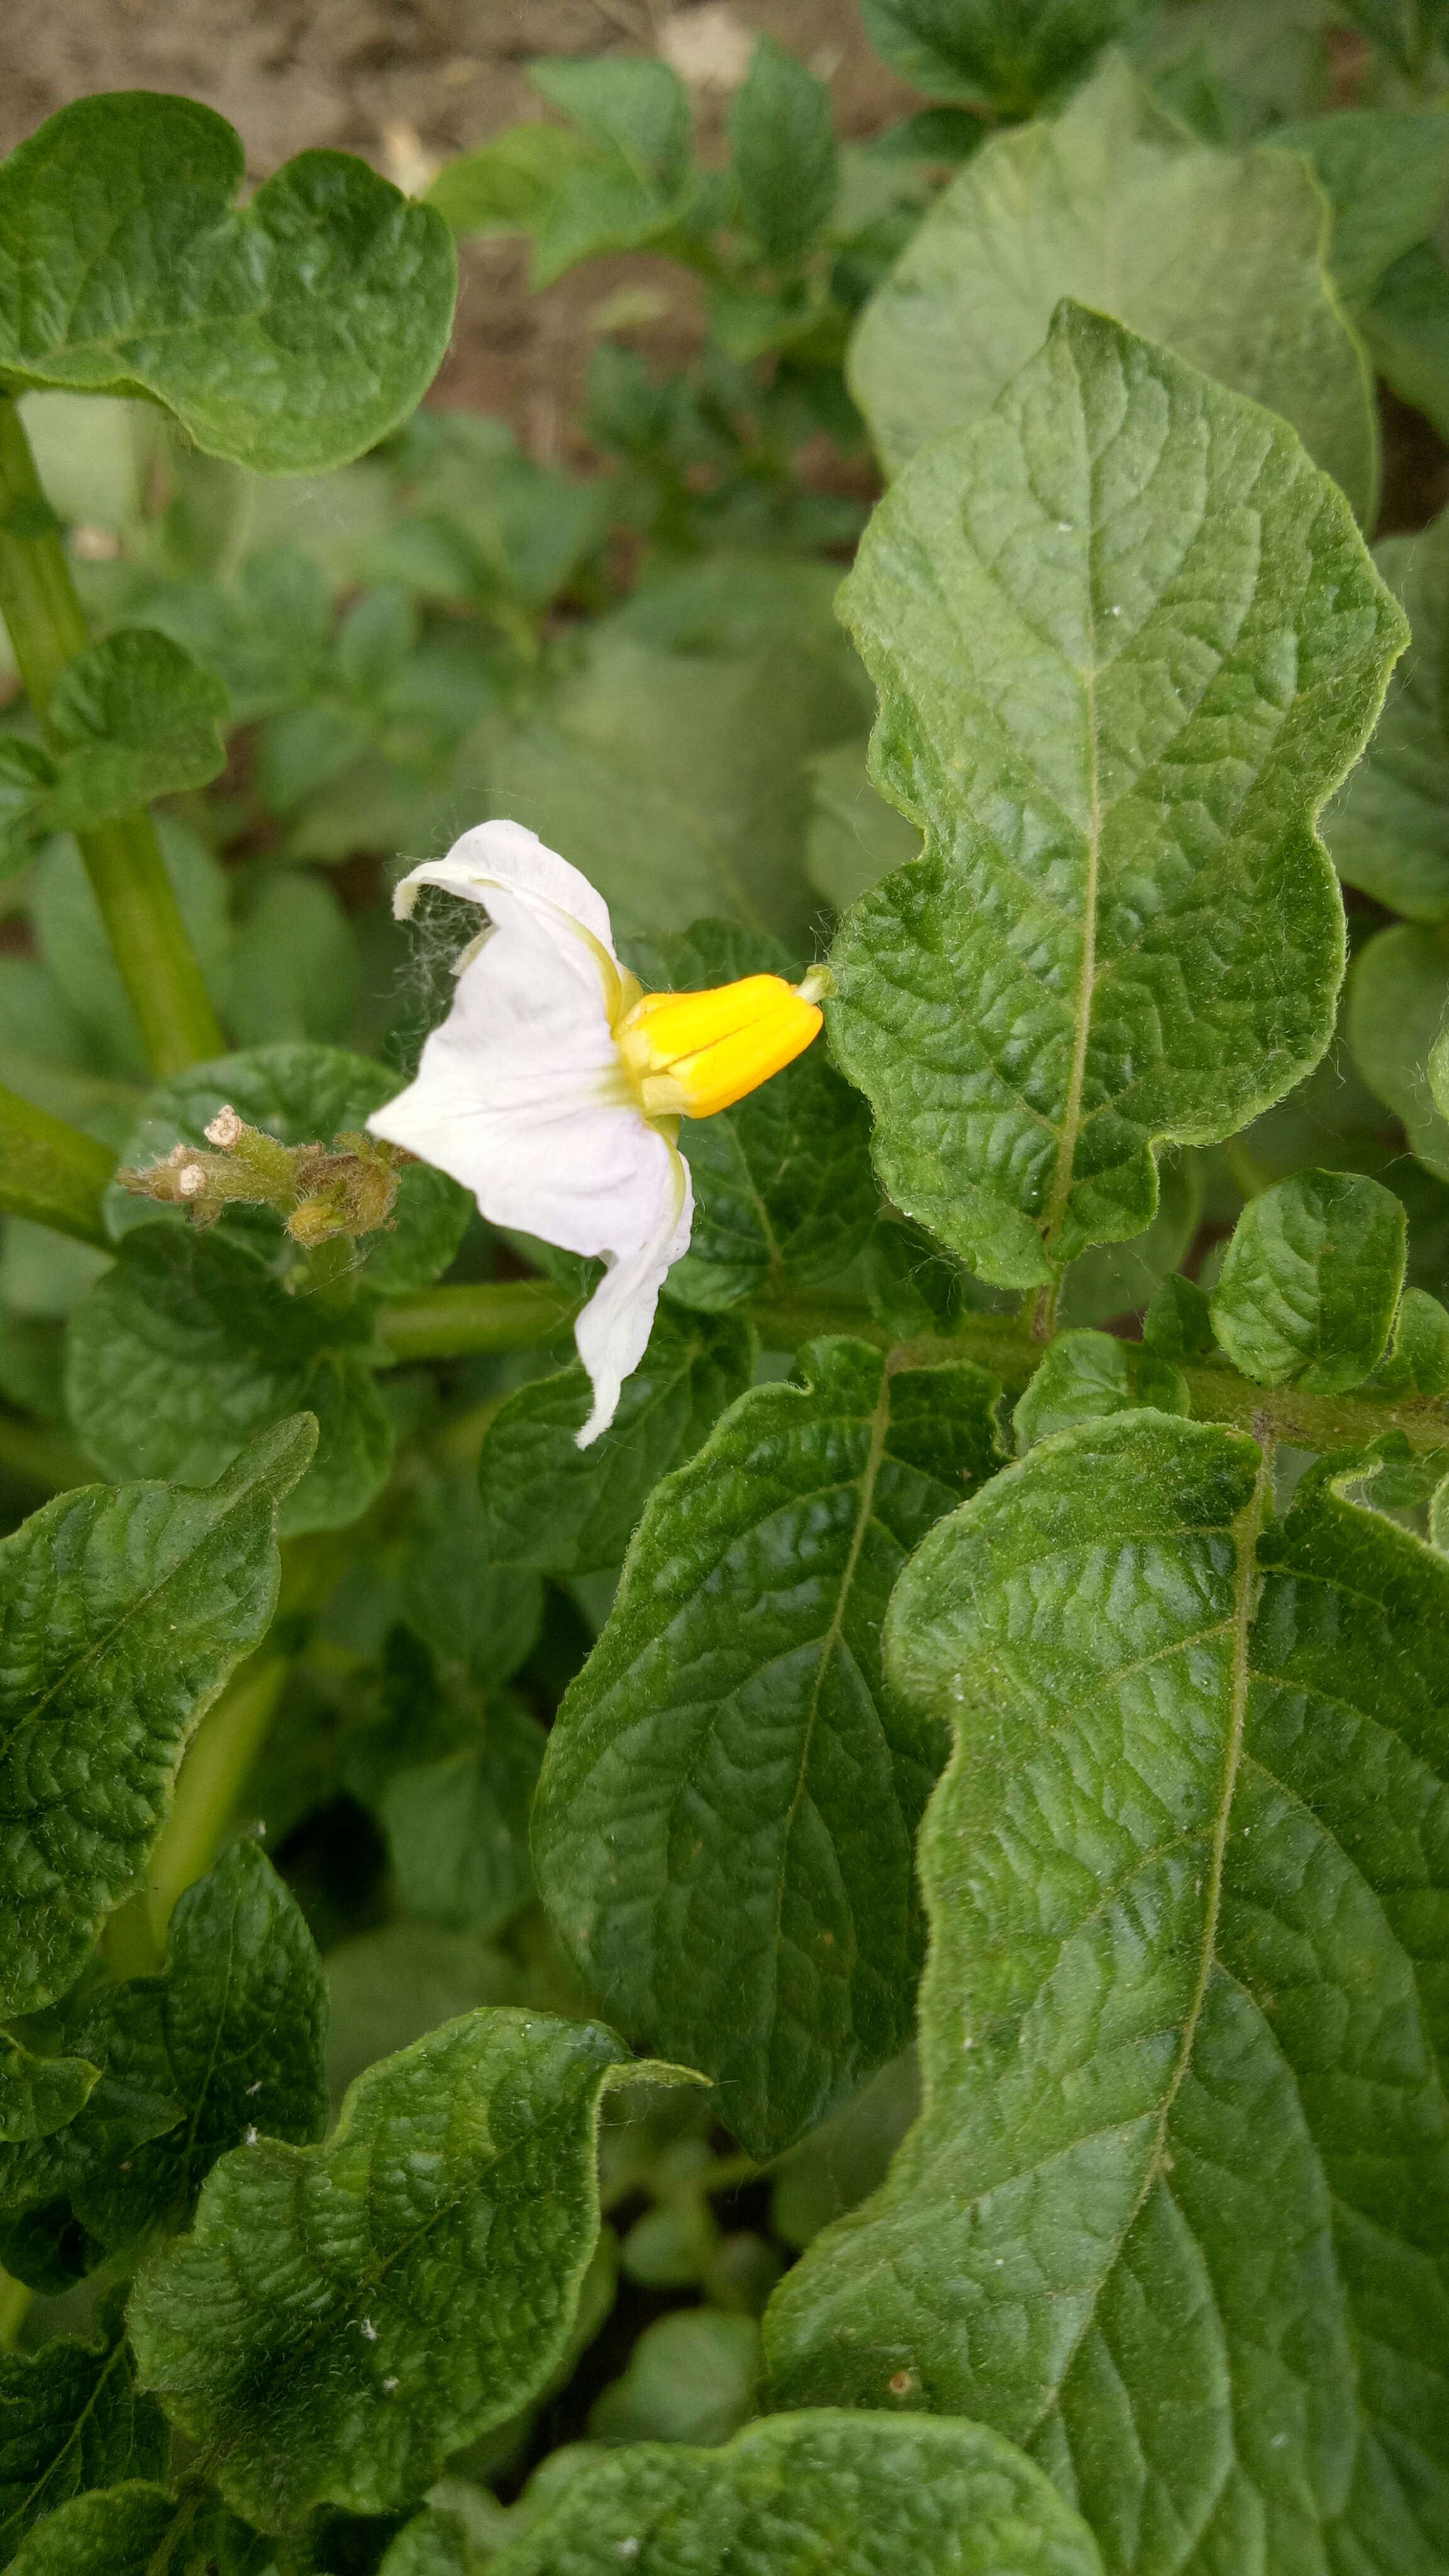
856, 2493
1088, 1374
728, 1756
122, 1614
137, 2529
565, 1510
1310, 1286
1388, 828
1171, 2213
1217, 255
188, 1347
73, 2419
131, 718
289, 335
433, 2252
40, 2094
229, 2039
1080, 966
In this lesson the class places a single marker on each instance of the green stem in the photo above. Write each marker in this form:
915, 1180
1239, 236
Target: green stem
123, 859
14, 2302
50, 1172
497, 1315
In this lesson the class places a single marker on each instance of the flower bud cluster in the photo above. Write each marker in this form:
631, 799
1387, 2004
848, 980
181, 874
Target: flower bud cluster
320, 1192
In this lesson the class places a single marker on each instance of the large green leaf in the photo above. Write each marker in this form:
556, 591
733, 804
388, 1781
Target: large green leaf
1388, 828
671, 766
73, 2418
723, 1829
784, 1193
1007, 54
858, 2494
566, 1510
188, 1346
1127, 639
229, 2039
1216, 254
346, 2316
1310, 1286
122, 1613
289, 335
1173, 2212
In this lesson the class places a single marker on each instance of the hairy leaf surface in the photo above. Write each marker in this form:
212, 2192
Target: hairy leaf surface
566, 1510
121, 1614
346, 2316
1310, 1286
289, 335
1173, 2213
724, 1824
231, 2038
1216, 254
1127, 639
73, 2418
138, 2529
855, 2493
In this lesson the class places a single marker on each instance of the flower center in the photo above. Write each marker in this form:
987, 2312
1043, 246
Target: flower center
690, 1054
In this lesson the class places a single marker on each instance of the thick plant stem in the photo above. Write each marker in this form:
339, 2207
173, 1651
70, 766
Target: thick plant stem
50, 1172
449, 1323
123, 859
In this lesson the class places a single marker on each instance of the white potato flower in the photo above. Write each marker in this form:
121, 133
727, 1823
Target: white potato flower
554, 1088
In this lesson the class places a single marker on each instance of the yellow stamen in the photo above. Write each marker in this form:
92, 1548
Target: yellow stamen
694, 1053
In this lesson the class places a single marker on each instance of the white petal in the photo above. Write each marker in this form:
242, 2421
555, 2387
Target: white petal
614, 1327
509, 855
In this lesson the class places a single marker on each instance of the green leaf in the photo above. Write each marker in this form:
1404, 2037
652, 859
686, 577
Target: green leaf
1122, 594
629, 104
691, 2378
302, 1095
294, 970
288, 335
1087, 1374
40, 2094
1170, 2215
785, 162
1117, 1278
723, 1829
229, 2039
1008, 54
508, 185
389, 1988
854, 2493
1178, 1322
346, 2316
457, 1829
1406, 330
131, 718
188, 1347
841, 2163
1309, 1289
1408, 30
137, 2529
1418, 1360
565, 1510
1385, 173
783, 1186
1233, 70
479, 1619
855, 838
1388, 828
1218, 255
671, 768
1398, 996
74, 2419
80, 961
459, 2521
122, 1615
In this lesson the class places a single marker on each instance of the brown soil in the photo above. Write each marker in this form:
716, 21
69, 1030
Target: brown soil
400, 80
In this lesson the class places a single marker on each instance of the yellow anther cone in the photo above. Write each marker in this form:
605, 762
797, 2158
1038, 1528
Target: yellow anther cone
695, 1053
